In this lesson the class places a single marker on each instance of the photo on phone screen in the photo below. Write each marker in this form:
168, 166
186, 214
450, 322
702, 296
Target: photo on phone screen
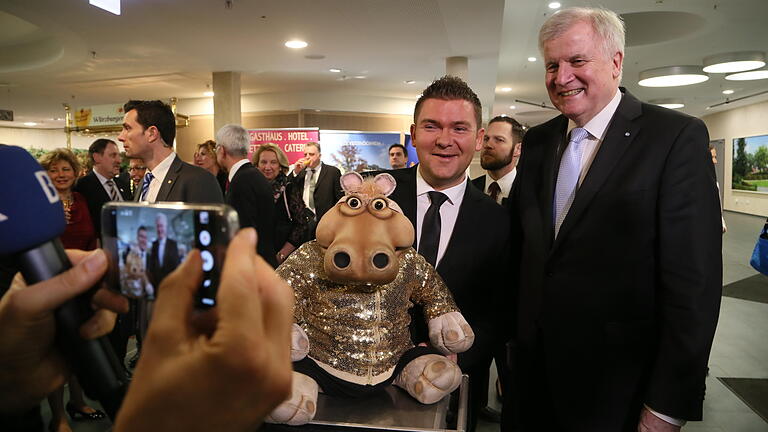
147, 242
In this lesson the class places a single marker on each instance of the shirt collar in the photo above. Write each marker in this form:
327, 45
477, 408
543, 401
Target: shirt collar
599, 123
236, 166
161, 170
101, 178
454, 193
505, 182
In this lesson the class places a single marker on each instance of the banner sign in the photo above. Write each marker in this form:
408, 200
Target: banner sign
357, 151
99, 115
290, 141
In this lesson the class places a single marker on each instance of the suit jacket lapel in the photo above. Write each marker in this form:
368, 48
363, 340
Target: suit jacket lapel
169, 180
620, 134
321, 176
550, 166
462, 230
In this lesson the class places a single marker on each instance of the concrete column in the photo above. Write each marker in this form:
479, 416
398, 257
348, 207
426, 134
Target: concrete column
458, 67
226, 99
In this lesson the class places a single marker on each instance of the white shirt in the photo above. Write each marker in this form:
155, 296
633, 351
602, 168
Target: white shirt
505, 183
596, 128
236, 166
449, 211
160, 171
104, 181
307, 177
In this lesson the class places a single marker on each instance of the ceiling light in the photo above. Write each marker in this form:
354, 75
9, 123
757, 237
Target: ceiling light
668, 103
359, 77
506, 89
296, 44
672, 76
554, 5
734, 62
208, 93
410, 82
112, 6
30, 124
727, 92
748, 76
334, 70
531, 59
512, 107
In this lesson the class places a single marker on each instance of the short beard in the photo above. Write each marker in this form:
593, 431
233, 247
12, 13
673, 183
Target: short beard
496, 164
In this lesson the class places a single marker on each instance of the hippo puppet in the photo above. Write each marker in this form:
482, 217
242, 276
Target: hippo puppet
353, 287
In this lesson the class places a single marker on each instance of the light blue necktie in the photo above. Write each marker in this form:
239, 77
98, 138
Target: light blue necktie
568, 176
145, 186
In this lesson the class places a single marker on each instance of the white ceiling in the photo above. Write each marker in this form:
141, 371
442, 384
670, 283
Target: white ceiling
55, 51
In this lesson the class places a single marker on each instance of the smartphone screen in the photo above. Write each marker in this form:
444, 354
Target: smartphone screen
147, 242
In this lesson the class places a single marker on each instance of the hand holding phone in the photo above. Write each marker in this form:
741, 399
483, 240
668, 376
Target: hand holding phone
227, 377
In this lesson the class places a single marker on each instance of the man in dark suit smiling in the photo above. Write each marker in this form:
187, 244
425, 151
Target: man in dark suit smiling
617, 213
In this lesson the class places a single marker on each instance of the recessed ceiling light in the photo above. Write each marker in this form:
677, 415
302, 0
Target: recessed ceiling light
296, 44
112, 6
506, 89
359, 77
727, 92
531, 59
30, 124
512, 107
734, 62
554, 5
748, 76
672, 76
668, 103
208, 93
410, 82
334, 70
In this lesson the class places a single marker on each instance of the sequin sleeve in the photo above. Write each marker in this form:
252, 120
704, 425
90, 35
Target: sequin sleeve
428, 289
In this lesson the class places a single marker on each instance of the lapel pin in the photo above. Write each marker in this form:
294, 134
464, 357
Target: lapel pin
170, 181
626, 133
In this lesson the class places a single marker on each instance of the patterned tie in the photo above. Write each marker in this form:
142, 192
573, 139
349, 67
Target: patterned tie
112, 190
494, 190
145, 186
311, 175
430, 231
568, 176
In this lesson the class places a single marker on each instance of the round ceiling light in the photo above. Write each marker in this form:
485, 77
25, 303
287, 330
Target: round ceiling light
531, 59
668, 103
296, 44
506, 89
208, 93
672, 76
734, 62
554, 5
334, 70
30, 124
728, 92
748, 76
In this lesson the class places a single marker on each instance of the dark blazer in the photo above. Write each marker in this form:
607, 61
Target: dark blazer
620, 309
187, 183
95, 195
171, 260
327, 189
251, 195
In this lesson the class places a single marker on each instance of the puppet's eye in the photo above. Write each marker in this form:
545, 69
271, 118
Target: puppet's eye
354, 202
379, 204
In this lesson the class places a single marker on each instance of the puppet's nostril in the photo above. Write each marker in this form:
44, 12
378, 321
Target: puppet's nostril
380, 260
342, 260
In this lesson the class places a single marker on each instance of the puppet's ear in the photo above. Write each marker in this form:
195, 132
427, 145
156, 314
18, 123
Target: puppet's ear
386, 183
351, 182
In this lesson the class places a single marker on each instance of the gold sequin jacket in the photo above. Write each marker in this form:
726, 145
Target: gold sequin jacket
359, 332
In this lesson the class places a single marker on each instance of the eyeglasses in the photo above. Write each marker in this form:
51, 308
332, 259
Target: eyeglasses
137, 168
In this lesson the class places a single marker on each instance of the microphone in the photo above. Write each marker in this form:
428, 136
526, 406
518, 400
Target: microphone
31, 220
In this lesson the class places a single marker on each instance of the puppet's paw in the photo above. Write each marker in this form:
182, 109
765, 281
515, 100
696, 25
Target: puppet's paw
299, 343
300, 408
450, 333
429, 378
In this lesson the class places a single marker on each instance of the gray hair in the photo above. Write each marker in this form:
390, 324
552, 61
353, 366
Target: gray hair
605, 23
234, 138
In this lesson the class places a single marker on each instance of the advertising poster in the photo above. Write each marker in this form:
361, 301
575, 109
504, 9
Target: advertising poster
99, 115
291, 141
750, 164
357, 151
413, 159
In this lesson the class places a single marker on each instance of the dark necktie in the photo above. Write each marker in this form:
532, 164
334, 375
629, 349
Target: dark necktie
430, 230
494, 190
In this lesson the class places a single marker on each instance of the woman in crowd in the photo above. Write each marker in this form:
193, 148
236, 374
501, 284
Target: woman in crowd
292, 218
62, 167
205, 157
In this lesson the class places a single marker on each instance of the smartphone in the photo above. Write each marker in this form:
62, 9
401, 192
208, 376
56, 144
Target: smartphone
146, 242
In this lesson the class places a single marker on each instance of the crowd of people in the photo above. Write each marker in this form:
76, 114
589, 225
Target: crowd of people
587, 259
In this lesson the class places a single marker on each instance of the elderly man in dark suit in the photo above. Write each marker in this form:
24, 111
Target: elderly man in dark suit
249, 191
319, 181
164, 255
459, 229
617, 214
100, 185
149, 128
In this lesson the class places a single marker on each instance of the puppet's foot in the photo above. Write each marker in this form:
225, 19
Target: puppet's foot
429, 378
300, 408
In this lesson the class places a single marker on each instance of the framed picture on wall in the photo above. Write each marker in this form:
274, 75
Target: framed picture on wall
750, 164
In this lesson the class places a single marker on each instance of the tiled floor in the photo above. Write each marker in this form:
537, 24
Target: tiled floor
740, 347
